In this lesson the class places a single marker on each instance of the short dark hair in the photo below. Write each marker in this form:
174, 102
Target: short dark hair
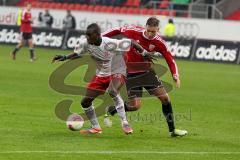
94, 27
170, 20
153, 22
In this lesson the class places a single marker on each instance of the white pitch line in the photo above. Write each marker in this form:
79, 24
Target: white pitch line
118, 152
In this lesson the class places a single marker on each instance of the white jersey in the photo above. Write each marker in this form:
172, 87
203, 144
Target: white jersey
108, 56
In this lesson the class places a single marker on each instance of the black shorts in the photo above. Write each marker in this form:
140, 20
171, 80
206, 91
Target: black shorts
137, 81
26, 36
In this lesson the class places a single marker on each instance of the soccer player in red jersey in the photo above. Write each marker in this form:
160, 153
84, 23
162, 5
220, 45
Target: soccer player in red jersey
138, 67
26, 33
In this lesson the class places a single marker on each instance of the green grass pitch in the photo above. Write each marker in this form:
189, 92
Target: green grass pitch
208, 106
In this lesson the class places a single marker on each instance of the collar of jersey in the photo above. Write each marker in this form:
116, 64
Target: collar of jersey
146, 36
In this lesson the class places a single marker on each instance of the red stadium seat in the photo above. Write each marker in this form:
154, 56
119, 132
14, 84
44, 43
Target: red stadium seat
52, 5
234, 16
157, 12
97, 8
37, 4
78, 6
150, 11
84, 7
132, 3
34, 4
144, 11
59, 6
123, 10
166, 13
136, 3
90, 7
129, 3
103, 9
164, 5
109, 9
45, 5
116, 9
173, 13
70, 7
130, 11
64, 6
136, 11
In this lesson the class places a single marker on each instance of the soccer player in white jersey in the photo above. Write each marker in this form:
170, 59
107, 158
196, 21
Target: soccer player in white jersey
110, 74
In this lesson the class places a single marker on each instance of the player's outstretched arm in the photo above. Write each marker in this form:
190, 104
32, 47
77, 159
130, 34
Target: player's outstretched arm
65, 57
142, 51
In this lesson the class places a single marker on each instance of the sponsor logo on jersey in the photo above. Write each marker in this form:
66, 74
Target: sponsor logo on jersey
151, 47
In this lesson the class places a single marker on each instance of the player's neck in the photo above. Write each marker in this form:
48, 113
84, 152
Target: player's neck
98, 43
146, 36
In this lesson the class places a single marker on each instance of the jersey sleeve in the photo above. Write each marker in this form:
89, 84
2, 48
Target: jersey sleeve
81, 45
25, 17
162, 48
127, 31
118, 45
112, 32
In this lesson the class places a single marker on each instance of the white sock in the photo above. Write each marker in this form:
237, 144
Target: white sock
90, 112
119, 104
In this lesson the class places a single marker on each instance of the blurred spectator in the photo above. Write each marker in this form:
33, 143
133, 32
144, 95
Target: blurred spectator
48, 19
40, 19
19, 17
69, 21
3, 2
169, 29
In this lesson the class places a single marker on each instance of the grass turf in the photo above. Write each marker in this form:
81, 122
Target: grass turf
207, 105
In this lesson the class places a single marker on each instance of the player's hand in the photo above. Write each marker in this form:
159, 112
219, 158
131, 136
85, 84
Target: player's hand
148, 55
177, 82
59, 58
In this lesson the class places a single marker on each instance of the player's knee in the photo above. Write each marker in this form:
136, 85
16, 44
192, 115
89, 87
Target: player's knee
135, 105
165, 99
112, 93
20, 45
86, 102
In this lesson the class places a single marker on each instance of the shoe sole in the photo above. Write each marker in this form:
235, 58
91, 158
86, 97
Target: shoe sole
129, 132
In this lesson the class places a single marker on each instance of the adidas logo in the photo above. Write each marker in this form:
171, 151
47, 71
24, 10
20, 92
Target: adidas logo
215, 53
179, 50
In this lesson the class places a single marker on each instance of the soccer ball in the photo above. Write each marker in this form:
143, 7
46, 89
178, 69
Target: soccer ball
74, 122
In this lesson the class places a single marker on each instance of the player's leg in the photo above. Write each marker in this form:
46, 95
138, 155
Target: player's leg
167, 110
94, 89
31, 47
134, 96
18, 47
157, 89
114, 89
87, 105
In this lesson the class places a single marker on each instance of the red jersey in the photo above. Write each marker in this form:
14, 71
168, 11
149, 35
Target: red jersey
134, 61
26, 22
